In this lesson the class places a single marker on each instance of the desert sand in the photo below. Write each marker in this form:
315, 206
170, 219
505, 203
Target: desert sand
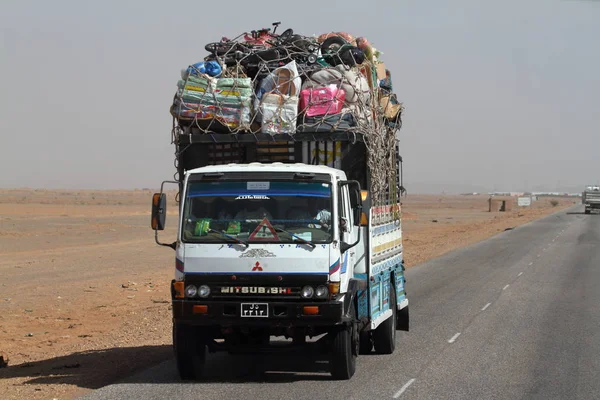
84, 289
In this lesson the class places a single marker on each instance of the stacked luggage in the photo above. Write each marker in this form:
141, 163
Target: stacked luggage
288, 83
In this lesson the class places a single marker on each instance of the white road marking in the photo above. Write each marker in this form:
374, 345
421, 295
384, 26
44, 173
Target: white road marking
403, 389
520, 273
530, 264
505, 287
453, 338
486, 306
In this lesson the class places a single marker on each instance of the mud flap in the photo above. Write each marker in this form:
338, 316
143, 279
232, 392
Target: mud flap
402, 319
354, 285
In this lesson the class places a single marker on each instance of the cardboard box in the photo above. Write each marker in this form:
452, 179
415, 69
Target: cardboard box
381, 71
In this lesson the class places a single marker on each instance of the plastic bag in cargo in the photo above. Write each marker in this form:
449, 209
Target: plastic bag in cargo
211, 68
194, 98
284, 80
325, 100
279, 113
196, 88
188, 111
226, 116
355, 85
233, 97
234, 87
227, 101
234, 115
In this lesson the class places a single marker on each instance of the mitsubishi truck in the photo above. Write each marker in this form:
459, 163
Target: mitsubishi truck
287, 236
591, 198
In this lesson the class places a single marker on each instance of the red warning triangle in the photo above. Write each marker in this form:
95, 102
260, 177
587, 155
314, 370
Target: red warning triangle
264, 231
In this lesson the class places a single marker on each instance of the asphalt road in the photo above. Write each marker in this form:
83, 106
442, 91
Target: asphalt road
513, 317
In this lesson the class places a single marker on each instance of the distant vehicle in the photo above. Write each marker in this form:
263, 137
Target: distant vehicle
590, 198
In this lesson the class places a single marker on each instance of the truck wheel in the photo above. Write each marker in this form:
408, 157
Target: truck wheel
384, 336
190, 351
366, 342
344, 349
587, 211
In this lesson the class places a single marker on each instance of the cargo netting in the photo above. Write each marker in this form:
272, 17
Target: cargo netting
283, 84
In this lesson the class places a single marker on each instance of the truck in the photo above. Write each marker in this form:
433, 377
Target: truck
590, 198
290, 238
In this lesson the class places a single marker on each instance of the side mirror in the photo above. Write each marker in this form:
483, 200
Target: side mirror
357, 210
356, 200
159, 211
355, 195
356, 203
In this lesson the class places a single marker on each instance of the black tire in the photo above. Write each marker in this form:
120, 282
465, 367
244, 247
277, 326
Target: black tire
190, 351
330, 49
333, 43
587, 211
285, 36
366, 343
219, 48
384, 336
344, 349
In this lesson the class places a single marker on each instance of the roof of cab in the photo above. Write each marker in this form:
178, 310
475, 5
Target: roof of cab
269, 167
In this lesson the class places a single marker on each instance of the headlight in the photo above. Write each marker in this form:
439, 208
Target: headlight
190, 291
307, 292
203, 291
322, 292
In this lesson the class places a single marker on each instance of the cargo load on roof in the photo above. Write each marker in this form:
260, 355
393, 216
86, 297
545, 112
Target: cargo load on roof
310, 94
267, 83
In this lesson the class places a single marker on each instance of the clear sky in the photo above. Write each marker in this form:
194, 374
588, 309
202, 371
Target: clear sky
499, 95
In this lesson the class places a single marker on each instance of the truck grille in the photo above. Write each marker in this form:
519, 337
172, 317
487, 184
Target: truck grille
593, 197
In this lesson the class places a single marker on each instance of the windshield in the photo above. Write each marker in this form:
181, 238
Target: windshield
257, 212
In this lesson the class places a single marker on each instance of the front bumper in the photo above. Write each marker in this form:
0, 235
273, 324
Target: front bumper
280, 314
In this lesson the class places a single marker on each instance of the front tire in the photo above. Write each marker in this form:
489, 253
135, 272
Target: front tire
384, 336
190, 351
344, 349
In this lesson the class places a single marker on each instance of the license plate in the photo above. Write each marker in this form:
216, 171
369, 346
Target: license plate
256, 310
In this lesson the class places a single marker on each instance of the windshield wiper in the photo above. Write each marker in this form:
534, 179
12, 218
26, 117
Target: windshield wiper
308, 242
230, 237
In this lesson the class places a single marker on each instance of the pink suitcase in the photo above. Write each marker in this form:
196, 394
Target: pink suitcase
324, 100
